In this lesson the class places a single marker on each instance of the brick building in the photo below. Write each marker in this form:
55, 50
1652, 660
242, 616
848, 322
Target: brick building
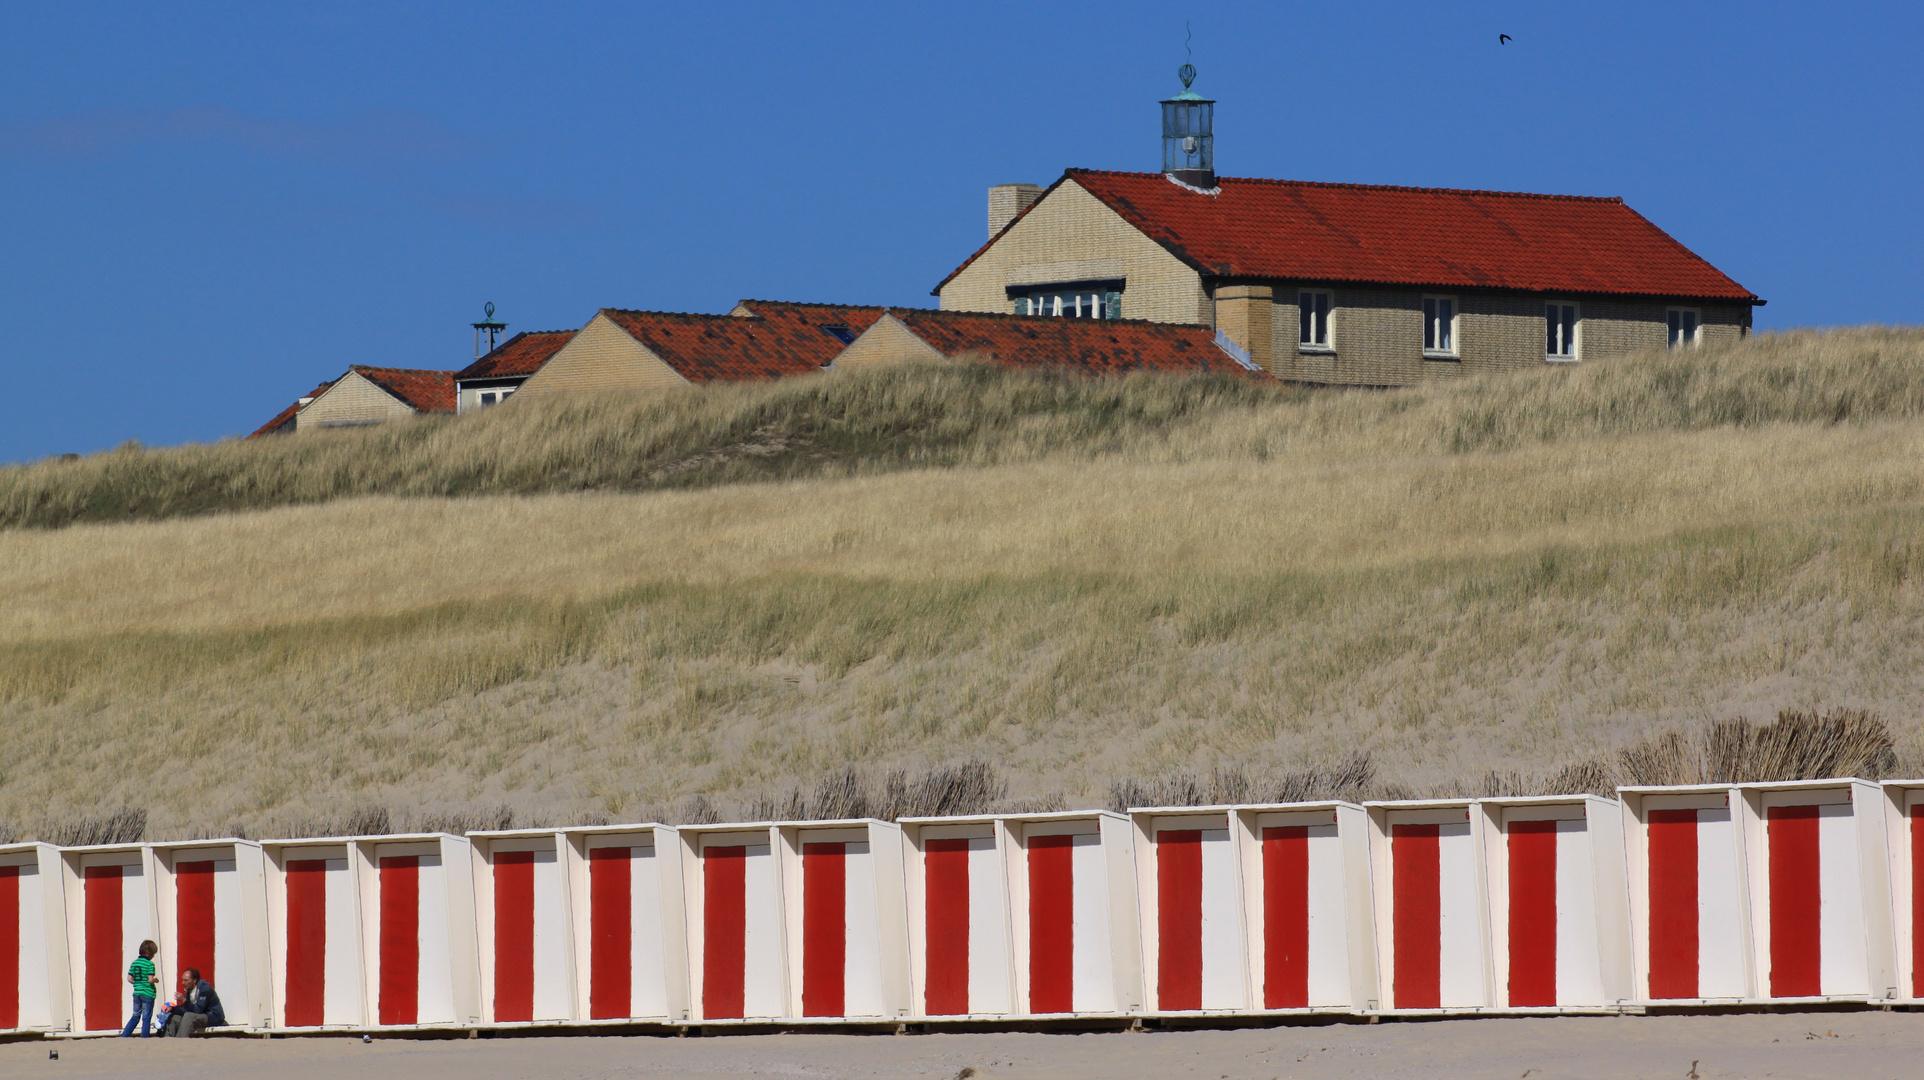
502, 370
366, 395
1345, 283
652, 350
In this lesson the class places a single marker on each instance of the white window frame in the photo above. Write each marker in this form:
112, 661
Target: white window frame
1454, 351
1328, 344
501, 394
1696, 337
1066, 303
1575, 344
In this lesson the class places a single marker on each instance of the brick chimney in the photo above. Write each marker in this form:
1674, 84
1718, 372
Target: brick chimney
1008, 200
1246, 314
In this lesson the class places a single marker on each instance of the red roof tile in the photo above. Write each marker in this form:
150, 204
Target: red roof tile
1302, 231
1089, 346
521, 355
423, 391
779, 339
284, 420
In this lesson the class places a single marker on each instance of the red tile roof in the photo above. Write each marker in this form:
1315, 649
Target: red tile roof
521, 355
779, 339
284, 420
1088, 346
857, 317
1302, 231
423, 391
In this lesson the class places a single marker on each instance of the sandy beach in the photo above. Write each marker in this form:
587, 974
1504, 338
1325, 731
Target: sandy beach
1867, 1045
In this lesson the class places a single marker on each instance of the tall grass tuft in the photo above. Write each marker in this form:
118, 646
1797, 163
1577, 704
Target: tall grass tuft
1352, 779
1799, 745
970, 787
127, 825
461, 822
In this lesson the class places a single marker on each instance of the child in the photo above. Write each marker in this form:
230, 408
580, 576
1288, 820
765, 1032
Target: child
169, 1009
142, 975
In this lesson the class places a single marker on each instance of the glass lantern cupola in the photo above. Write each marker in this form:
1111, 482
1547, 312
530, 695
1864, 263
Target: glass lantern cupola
1188, 135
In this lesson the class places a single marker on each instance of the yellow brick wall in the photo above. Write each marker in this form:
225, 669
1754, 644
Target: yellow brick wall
1072, 234
1724, 324
351, 400
602, 356
887, 342
1377, 334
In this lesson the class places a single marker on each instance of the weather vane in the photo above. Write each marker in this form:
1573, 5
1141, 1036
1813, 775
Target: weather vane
1187, 72
487, 332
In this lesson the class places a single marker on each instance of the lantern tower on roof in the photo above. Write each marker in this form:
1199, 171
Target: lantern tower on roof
1188, 135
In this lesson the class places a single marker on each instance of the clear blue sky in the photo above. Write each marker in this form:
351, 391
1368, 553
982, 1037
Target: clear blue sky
205, 210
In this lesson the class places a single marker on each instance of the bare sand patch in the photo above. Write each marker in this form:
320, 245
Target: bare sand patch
1783, 1046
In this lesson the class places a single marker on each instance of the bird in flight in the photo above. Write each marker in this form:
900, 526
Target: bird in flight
1503, 39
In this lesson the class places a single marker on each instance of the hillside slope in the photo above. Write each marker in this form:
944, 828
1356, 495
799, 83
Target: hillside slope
1509, 574
872, 422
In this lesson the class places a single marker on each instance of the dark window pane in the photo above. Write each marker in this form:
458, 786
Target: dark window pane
1303, 317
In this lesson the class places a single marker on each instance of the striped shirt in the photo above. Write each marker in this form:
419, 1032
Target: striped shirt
141, 971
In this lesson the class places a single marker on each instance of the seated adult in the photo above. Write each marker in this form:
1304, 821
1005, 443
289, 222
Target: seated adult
198, 1008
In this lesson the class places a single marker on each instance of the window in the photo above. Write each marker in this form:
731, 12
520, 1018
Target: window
1560, 331
494, 397
840, 333
1072, 304
1684, 327
1312, 312
1439, 326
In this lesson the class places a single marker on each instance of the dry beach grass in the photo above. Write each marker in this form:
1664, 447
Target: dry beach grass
731, 593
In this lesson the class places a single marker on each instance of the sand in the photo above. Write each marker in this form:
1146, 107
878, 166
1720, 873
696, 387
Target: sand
1867, 1045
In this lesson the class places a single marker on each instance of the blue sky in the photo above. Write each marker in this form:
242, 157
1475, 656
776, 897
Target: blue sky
205, 210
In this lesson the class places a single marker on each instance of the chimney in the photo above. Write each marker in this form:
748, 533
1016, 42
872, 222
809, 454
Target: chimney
1245, 315
1008, 200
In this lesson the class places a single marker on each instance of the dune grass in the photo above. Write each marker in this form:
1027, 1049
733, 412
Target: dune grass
1477, 584
863, 423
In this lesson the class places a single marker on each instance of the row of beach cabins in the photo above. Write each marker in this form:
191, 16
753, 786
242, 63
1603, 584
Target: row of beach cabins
1780, 894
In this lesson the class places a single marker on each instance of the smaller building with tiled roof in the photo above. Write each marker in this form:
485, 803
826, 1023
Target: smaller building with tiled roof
490, 379
372, 395
1082, 346
641, 350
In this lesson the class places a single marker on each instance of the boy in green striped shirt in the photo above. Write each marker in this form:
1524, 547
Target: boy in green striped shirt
142, 975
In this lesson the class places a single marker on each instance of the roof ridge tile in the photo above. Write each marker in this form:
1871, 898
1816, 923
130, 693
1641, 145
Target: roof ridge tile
1355, 186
